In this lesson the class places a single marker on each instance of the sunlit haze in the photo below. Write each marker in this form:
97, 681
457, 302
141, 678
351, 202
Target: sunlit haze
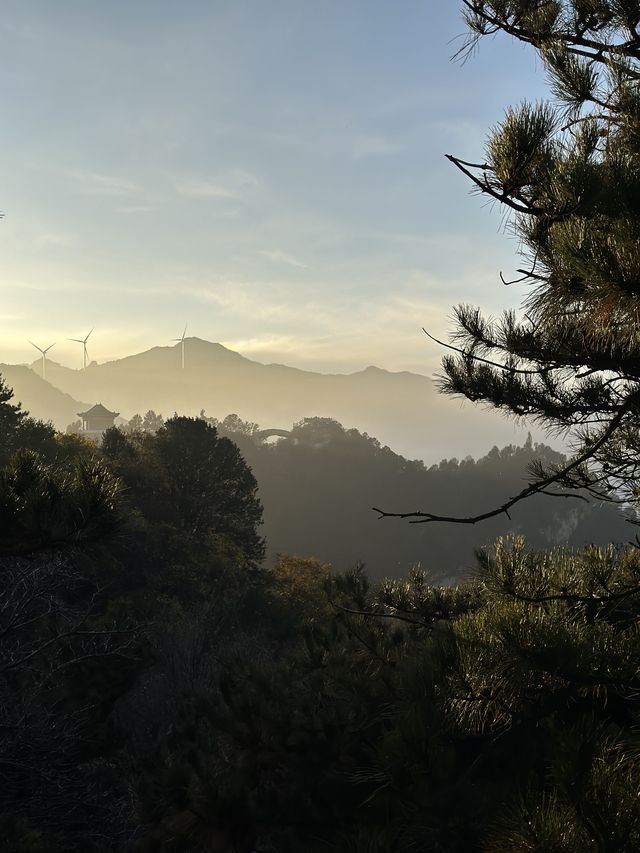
270, 174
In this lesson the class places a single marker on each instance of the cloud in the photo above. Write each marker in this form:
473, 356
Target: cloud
278, 256
262, 344
134, 208
272, 321
373, 146
206, 189
232, 184
242, 178
93, 183
55, 241
262, 300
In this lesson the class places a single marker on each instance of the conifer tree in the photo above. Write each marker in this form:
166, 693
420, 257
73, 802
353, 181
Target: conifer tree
18, 430
567, 173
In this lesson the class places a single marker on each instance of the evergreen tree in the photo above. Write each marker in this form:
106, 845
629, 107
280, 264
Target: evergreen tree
194, 510
207, 487
10, 413
152, 422
136, 424
567, 173
18, 430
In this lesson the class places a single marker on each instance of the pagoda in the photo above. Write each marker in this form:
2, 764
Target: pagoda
96, 420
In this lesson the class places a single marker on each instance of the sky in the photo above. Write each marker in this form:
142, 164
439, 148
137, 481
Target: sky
269, 174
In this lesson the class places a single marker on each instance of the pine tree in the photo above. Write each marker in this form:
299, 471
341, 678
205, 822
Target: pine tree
20, 431
567, 173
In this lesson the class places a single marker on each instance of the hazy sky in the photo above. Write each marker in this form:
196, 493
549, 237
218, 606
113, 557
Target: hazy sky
269, 172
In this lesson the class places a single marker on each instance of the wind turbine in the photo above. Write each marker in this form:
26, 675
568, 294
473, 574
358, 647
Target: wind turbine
44, 354
82, 341
181, 341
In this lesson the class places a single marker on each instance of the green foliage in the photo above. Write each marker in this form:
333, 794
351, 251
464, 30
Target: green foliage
233, 425
18, 430
494, 716
298, 589
157, 525
63, 662
43, 506
150, 423
185, 476
208, 487
567, 172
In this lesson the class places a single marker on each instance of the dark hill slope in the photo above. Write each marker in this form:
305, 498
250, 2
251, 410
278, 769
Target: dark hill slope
318, 486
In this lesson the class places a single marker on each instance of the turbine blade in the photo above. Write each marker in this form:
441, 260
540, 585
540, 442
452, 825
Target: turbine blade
36, 346
88, 336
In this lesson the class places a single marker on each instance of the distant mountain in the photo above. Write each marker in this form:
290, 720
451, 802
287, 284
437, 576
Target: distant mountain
403, 410
39, 397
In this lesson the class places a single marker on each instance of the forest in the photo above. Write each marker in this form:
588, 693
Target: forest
167, 689
318, 481
163, 690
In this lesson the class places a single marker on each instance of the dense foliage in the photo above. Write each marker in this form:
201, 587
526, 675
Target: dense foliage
116, 565
19, 431
160, 692
567, 171
498, 715
318, 481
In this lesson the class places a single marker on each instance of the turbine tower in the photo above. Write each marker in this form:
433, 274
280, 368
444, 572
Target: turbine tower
82, 341
44, 355
181, 341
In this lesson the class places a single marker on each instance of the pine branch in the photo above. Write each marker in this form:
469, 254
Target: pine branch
487, 189
419, 517
466, 354
574, 42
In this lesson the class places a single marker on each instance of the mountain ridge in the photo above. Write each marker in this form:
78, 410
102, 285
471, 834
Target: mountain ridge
402, 409
216, 347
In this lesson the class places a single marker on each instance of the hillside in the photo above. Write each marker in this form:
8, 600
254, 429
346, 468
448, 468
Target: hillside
39, 397
318, 485
404, 410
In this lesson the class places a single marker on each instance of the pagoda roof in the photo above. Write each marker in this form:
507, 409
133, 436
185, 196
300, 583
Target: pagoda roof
98, 411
